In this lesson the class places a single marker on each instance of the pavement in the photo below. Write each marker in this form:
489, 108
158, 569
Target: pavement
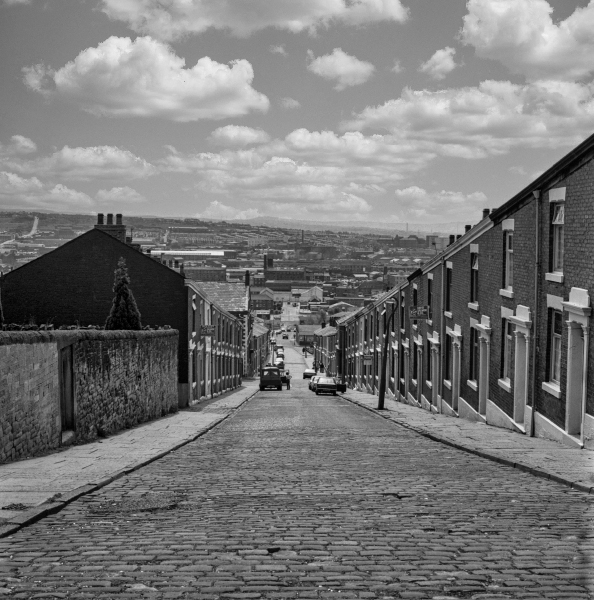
543, 458
298, 496
36, 487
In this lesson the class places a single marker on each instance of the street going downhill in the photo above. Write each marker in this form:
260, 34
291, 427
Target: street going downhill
305, 496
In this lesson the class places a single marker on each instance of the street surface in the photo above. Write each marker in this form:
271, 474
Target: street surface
305, 496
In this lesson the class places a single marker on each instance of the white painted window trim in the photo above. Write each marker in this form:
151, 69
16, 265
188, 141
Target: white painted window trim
507, 225
557, 194
555, 302
506, 293
472, 384
447, 314
430, 276
473, 306
551, 388
505, 384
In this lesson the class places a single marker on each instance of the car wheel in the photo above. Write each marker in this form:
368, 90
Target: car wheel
317, 393
334, 393
261, 388
279, 388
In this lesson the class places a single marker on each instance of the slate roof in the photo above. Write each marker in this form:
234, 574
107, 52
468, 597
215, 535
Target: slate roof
259, 330
325, 331
230, 296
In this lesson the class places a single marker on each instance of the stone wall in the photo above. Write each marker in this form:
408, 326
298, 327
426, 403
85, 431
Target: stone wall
121, 378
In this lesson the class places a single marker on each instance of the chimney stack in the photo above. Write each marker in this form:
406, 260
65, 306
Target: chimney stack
118, 219
452, 239
467, 228
116, 230
486, 212
109, 218
100, 219
247, 279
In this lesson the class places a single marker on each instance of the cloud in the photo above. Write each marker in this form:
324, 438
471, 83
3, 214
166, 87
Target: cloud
491, 119
177, 18
13, 2
416, 204
290, 103
440, 64
397, 68
218, 210
278, 50
145, 78
19, 144
20, 192
93, 162
522, 35
340, 66
238, 135
120, 195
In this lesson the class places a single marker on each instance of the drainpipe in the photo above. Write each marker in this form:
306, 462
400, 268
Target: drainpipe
536, 194
586, 331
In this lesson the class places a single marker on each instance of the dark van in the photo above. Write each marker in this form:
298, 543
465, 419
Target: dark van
270, 377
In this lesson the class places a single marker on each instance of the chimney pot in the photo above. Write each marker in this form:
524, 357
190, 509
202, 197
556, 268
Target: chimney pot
486, 212
467, 228
100, 219
109, 218
452, 239
118, 219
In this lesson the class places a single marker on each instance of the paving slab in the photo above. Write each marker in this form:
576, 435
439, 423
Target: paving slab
31, 488
573, 467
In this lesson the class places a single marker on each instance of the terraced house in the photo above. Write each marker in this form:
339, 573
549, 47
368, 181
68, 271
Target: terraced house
496, 328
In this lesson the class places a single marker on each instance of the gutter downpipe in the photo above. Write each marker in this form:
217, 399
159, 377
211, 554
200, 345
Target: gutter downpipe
537, 198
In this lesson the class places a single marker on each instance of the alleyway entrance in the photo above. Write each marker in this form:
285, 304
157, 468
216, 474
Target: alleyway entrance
305, 496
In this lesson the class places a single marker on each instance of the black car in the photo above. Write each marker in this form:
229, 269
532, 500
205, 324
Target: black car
326, 385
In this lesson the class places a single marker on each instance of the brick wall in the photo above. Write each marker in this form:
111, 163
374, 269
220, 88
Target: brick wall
121, 378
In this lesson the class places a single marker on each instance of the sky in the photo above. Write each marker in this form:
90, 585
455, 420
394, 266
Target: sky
374, 111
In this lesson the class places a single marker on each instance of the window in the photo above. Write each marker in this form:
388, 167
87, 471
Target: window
507, 328
429, 293
428, 359
393, 315
474, 272
474, 354
402, 311
415, 296
558, 225
377, 324
415, 368
556, 331
508, 280
448, 290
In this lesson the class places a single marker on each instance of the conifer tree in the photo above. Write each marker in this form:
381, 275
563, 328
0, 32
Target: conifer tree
124, 313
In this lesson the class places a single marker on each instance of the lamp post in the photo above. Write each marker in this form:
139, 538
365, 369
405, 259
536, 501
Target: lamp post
382, 386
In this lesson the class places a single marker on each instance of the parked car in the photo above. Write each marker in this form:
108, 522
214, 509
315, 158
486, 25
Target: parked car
340, 387
270, 377
280, 348
325, 385
280, 363
313, 381
308, 373
285, 336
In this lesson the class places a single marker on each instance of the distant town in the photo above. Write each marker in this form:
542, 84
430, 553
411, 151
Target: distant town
311, 269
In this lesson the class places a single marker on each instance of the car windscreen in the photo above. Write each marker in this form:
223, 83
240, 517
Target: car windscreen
270, 372
325, 380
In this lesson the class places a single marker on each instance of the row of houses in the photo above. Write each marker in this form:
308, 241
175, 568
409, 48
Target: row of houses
496, 328
73, 286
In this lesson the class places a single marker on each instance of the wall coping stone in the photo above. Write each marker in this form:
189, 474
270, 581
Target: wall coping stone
70, 336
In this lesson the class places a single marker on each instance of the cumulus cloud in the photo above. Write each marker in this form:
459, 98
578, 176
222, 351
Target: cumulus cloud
238, 136
417, 204
278, 50
121, 196
93, 162
18, 145
177, 18
521, 34
290, 103
19, 192
145, 78
440, 64
218, 210
345, 69
476, 122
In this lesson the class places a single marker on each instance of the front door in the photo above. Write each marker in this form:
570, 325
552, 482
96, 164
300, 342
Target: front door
67, 388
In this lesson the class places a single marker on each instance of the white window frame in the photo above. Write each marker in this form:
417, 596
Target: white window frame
474, 357
509, 261
555, 345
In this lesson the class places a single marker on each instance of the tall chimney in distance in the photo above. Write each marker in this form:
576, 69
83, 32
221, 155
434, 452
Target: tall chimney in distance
486, 212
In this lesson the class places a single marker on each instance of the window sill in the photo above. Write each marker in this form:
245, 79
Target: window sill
447, 314
429, 383
472, 384
552, 388
555, 277
413, 382
473, 306
447, 383
505, 384
415, 327
429, 322
506, 293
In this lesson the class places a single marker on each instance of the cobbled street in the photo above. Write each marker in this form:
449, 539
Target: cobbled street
305, 496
